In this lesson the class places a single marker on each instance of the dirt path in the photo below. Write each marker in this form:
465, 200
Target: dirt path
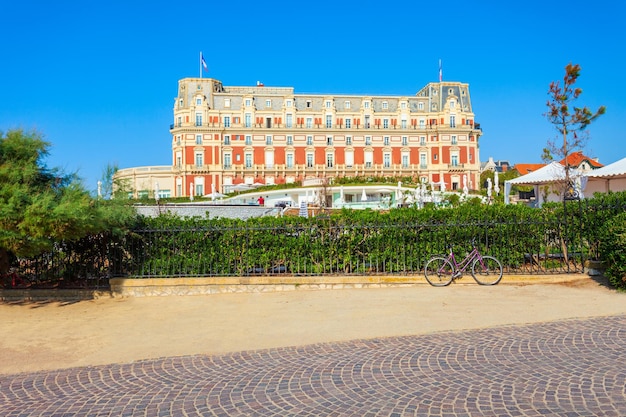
43, 336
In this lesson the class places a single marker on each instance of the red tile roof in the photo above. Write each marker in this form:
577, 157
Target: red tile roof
524, 169
576, 158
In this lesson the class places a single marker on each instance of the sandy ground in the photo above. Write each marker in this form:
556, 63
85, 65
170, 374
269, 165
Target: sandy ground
44, 336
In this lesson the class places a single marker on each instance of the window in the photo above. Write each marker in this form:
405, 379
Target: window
227, 102
387, 160
423, 164
454, 141
366, 104
405, 141
227, 160
385, 123
422, 140
368, 140
247, 120
180, 103
248, 140
198, 119
288, 103
403, 124
268, 103
198, 139
452, 121
329, 160
452, 104
386, 141
349, 159
422, 123
309, 140
269, 159
289, 120
309, 122
179, 160
385, 105
178, 140
348, 123
309, 160
226, 139
226, 121
289, 140
289, 160
329, 121
248, 160
179, 121
348, 140
420, 106
268, 140
329, 140
367, 122
198, 101
199, 189
405, 161
347, 104
328, 104
454, 159
308, 104
248, 102
199, 160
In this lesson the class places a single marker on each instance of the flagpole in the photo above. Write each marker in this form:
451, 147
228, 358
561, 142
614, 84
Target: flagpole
200, 64
440, 71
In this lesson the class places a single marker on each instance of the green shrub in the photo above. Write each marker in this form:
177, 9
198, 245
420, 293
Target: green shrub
613, 250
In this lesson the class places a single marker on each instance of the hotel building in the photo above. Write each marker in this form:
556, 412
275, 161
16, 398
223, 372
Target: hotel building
224, 135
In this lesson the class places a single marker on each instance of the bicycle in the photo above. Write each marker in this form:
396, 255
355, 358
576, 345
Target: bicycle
441, 270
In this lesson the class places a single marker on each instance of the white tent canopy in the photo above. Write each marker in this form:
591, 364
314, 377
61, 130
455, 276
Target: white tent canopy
551, 174
608, 178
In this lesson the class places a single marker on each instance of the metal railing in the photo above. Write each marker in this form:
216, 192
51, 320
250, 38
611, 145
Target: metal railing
316, 247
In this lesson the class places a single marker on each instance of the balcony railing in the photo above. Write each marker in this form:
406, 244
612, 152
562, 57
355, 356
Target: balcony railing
342, 127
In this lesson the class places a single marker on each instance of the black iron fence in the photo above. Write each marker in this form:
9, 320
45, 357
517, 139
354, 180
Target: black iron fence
320, 247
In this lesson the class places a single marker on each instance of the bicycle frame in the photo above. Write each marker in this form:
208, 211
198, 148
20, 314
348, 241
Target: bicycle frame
467, 261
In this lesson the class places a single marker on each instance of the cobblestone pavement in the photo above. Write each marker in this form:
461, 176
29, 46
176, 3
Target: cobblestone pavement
564, 368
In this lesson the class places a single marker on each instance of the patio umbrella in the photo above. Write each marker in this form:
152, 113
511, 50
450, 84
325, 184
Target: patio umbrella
364, 195
496, 183
242, 187
191, 191
465, 189
341, 196
214, 194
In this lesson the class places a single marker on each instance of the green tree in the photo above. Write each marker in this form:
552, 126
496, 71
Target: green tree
569, 120
40, 206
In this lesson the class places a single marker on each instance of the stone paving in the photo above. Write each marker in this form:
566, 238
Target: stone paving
563, 368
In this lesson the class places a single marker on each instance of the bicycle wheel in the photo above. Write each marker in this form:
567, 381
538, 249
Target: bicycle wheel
438, 271
489, 272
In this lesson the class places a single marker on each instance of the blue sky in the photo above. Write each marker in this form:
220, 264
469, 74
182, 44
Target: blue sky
98, 79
